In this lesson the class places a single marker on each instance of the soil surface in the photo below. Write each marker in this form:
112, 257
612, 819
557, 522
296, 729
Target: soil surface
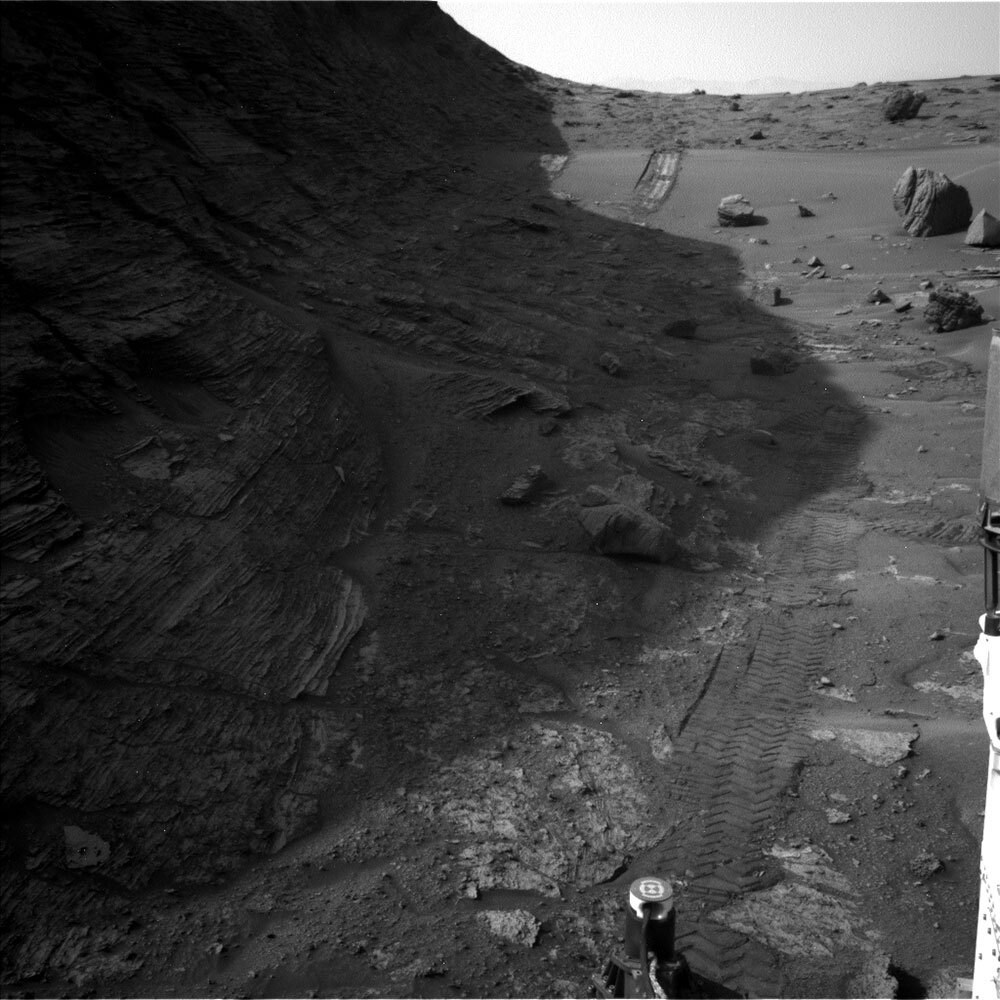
326, 331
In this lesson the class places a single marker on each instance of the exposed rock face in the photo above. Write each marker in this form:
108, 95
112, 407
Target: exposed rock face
184, 457
949, 308
735, 210
902, 104
930, 203
984, 231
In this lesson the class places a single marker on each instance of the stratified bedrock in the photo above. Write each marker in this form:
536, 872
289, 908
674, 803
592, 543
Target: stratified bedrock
424, 509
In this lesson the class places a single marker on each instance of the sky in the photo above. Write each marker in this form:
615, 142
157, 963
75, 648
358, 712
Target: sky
739, 46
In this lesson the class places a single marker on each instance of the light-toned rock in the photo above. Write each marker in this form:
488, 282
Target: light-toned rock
517, 926
984, 231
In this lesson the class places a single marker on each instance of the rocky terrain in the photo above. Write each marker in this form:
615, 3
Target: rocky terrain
400, 553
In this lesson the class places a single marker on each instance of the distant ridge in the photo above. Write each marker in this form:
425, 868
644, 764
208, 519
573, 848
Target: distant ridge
761, 85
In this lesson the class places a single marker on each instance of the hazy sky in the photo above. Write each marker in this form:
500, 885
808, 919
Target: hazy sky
621, 44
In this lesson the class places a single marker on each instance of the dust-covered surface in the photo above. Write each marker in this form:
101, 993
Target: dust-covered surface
403, 551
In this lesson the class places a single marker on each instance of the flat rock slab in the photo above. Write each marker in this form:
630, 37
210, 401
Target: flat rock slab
875, 747
517, 926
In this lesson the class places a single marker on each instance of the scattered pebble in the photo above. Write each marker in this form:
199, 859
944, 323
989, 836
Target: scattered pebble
835, 817
936, 635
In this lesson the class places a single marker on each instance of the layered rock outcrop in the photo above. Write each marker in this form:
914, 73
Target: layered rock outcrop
184, 456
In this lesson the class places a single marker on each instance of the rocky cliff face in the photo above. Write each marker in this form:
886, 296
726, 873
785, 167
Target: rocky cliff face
183, 458
286, 308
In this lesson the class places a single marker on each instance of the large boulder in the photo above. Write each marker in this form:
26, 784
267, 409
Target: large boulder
984, 231
624, 529
735, 210
949, 308
902, 103
930, 203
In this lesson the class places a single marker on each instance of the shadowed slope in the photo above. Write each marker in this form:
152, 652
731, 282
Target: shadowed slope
286, 306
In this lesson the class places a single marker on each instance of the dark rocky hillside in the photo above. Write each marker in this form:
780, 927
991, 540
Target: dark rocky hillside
291, 701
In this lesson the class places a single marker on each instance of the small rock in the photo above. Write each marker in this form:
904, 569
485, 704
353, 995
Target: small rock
814, 261
776, 296
847, 267
611, 363
937, 635
758, 135
524, 488
762, 438
924, 285
984, 231
877, 297
735, 210
806, 213
825, 681
922, 450
905, 306
950, 308
925, 864
835, 817
517, 926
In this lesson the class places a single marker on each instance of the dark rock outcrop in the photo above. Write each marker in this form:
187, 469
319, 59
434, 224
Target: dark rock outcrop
984, 231
902, 104
949, 308
930, 203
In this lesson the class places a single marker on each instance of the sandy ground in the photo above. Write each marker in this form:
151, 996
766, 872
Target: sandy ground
297, 702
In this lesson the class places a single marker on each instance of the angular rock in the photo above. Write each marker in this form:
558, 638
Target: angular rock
984, 231
611, 363
683, 329
774, 362
517, 926
84, 850
925, 864
930, 203
524, 488
877, 297
618, 529
949, 308
875, 747
735, 210
806, 213
902, 104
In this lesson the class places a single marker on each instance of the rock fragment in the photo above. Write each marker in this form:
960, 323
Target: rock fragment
516, 926
612, 364
950, 308
925, 864
879, 748
774, 362
525, 488
877, 297
83, 849
806, 213
930, 203
984, 231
